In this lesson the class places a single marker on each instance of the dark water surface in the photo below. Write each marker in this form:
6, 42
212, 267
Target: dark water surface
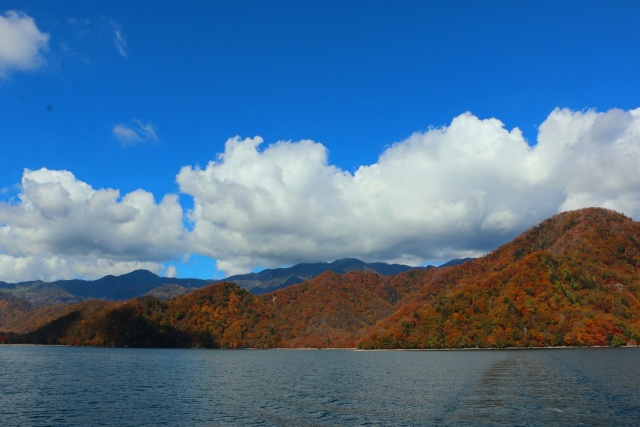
63, 386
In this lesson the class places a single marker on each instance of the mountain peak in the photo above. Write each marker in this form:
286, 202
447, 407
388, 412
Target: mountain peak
141, 274
567, 233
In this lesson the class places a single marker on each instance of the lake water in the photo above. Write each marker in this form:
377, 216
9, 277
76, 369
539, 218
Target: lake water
65, 386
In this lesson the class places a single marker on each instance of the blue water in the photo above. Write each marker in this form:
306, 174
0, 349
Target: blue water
65, 386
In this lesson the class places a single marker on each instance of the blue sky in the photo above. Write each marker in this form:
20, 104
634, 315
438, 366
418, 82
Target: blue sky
413, 132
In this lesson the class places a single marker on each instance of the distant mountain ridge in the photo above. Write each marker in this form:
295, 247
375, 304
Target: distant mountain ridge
130, 285
270, 280
143, 282
455, 262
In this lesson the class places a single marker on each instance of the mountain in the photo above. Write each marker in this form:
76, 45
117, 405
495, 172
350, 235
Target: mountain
270, 280
12, 308
40, 294
143, 282
572, 280
456, 262
126, 286
330, 310
130, 285
168, 291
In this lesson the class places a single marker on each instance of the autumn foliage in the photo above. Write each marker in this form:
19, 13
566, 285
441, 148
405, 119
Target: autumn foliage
572, 280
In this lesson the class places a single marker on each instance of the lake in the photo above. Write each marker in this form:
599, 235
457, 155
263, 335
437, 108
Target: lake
68, 386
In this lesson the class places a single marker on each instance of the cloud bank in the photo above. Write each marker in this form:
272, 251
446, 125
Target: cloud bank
61, 227
21, 43
450, 192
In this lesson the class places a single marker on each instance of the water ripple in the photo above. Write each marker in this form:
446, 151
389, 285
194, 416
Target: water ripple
63, 386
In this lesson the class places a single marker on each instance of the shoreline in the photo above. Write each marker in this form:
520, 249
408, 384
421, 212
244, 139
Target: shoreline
563, 347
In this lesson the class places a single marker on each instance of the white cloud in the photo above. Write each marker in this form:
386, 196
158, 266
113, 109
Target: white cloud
120, 40
171, 271
449, 192
63, 226
50, 268
125, 134
21, 43
135, 133
598, 161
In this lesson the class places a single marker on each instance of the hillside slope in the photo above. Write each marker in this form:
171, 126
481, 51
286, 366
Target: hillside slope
572, 280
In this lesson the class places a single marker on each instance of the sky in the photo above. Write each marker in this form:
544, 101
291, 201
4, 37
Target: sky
211, 138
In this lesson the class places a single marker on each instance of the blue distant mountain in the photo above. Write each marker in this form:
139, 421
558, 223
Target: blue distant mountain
143, 282
273, 279
130, 285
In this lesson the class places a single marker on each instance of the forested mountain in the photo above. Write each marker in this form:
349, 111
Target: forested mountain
572, 280
277, 278
143, 282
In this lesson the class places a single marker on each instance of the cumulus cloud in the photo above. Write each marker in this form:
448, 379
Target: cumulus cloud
21, 43
135, 133
455, 191
62, 226
450, 192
